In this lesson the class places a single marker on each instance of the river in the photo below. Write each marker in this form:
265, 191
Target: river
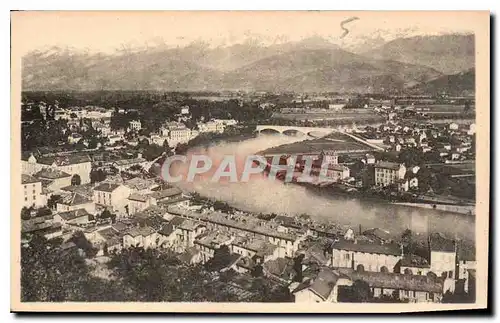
261, 195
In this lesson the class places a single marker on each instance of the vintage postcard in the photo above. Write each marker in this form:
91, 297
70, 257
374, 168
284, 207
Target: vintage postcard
250, 161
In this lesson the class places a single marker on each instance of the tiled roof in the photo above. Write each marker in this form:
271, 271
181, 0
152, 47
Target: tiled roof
414, 261
440, 243
169, 192
64, 160
322, 285
281, 267
387, 165
177, 220
139, 184
71, 215
213, 240
133, 161
383, 249
85, 189
106, 187
378, 233
189, 225
140, 231
27, 179
51, 173
243, 223
74, 199
138, 197
166, 230
260, 246
395, 281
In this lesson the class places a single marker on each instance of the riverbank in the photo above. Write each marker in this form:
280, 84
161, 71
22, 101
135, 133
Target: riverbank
460, 209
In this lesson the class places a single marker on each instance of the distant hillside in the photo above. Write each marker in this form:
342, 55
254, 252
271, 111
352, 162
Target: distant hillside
449, 54
326, 69
313, 64
456, 84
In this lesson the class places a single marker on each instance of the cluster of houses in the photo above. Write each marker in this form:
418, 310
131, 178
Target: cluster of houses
151, 215
452, 141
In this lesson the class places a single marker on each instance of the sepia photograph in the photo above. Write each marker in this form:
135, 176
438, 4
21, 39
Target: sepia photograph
250, 161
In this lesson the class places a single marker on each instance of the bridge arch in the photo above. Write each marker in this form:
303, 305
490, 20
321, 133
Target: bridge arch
269, 131
294, 133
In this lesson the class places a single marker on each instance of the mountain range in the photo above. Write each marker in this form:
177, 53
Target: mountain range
313, 64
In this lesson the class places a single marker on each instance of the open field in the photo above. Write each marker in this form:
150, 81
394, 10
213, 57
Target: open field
338, 142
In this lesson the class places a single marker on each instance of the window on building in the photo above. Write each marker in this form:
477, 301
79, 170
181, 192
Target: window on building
25, 198
347, 256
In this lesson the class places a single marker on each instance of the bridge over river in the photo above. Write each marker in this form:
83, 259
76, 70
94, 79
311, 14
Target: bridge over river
314, 132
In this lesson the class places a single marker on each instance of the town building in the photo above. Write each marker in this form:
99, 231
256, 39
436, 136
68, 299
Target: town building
388, 173
75, 165
144, 236
74, 201
124, 164
32, 192
208, 243
112, 196
72, 218
135, 125
366, 255
414, 265
176, 133
53, 179
410, 288
443, 255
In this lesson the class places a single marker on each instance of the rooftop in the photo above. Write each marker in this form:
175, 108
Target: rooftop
74, 199
85, 189
71, 215
322, 285
387, 165
441, 244
414, 261
106, 187
64, 160
140, 184
27, 179
213, 240
395, 281
138, 197
124, 162
51, 173
140, 231
383, 249
244, 223
169, 192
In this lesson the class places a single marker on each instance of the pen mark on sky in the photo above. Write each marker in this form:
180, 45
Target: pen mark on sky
346, 31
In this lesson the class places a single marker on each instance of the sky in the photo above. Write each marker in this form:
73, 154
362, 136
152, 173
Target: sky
108, 31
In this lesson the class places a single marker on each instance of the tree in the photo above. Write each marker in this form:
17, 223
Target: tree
166, 147
220, 260
360, 291
79, 239
25, 213
97, 175
76, 180
297, 267
43, 211
257, 271
53, 200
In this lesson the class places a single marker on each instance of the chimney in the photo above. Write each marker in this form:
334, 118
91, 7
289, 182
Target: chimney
360, 232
